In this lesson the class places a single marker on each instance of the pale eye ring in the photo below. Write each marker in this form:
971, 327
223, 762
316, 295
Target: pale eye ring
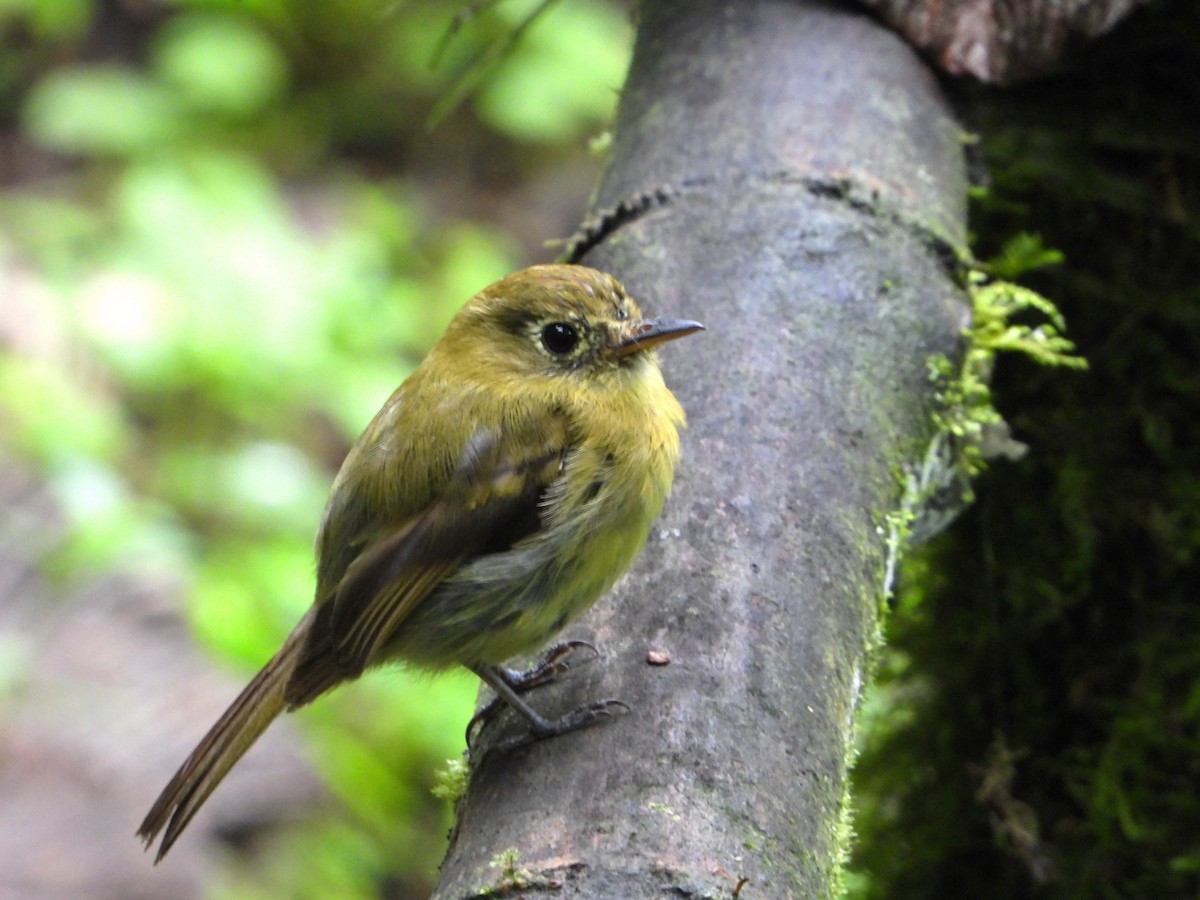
560, 338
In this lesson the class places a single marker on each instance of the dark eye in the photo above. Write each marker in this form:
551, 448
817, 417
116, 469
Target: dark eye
560, 338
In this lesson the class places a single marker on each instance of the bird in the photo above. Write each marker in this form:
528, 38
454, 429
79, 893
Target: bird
505, 486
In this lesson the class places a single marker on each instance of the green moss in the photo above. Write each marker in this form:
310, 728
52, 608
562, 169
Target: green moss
663, 809
1035, 729
512, 877
1000, 323
450, 781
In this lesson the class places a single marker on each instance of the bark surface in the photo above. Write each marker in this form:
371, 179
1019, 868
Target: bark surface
788, 173
1000, 40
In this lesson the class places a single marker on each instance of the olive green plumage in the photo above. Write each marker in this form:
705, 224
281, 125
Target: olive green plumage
503, 487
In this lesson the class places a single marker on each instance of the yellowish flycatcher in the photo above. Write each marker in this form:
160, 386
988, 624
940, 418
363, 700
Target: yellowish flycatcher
503, 487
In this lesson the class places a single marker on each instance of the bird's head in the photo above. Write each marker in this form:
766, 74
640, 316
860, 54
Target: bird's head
555, 321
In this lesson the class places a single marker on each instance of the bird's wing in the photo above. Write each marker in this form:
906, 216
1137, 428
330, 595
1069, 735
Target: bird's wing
490, 502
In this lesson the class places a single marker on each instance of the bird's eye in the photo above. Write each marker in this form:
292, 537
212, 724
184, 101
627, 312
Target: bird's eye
560, 338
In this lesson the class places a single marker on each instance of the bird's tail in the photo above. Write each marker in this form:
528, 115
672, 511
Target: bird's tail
233, 734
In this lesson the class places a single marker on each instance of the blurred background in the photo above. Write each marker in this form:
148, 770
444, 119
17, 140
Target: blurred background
228, 229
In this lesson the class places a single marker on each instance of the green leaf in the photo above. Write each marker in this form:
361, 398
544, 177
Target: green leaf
103, 111
220, 63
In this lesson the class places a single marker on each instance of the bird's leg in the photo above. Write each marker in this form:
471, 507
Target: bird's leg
509, 686
540, 726
552, 664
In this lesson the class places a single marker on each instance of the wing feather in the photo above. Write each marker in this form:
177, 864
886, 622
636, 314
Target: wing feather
492, 501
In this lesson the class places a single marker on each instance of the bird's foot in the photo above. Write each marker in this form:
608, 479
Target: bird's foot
509, 685
551, 664
584, 717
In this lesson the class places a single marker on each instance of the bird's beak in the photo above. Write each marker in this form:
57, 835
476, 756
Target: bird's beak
644, 335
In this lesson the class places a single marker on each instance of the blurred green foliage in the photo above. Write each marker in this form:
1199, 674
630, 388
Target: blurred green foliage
228, 236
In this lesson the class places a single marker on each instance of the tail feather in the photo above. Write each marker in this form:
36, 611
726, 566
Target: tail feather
233, 734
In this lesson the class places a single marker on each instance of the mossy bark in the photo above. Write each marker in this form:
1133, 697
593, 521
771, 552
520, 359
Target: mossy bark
788, 173
1048, 739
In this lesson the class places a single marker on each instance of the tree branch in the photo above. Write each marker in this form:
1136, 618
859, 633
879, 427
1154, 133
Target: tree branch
788, 173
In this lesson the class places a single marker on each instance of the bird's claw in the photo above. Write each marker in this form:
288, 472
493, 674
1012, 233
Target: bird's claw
549, 666
584, 717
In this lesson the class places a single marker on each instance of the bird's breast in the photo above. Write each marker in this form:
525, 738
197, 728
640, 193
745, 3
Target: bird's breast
595, 518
